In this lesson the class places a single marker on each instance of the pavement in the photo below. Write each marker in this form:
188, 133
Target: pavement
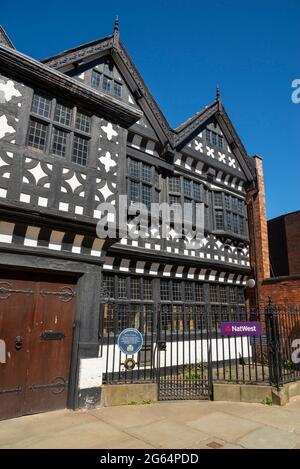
180, 425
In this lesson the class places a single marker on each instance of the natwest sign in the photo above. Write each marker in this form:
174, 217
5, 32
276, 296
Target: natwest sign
239, 329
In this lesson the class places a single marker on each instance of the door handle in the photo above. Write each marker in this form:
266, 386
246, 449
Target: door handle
19, 342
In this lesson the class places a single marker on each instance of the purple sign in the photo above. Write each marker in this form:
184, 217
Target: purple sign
240, 329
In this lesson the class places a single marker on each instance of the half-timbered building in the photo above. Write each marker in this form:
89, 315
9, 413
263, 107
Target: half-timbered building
78, 129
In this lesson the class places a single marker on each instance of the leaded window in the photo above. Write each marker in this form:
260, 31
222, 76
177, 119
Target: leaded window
80, 150
37, 134
63, 114
214, 139
188, 291
165, 290
59, 142
229, 213
142, 183
41, 105
191, 195
57, 129
135, 289
177, 291
174, 184
106, 85
122, 287
83, 122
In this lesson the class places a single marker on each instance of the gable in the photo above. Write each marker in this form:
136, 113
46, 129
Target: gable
212, 147
103, 74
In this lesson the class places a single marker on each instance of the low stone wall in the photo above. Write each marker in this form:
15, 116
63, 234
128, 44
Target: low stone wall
255, 393
126, 394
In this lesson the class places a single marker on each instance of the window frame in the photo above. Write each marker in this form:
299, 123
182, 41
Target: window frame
230, 210
52, 125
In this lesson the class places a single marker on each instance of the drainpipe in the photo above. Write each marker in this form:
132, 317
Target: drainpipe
257, 290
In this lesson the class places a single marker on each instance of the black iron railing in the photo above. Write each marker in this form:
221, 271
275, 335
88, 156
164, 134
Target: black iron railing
185, 352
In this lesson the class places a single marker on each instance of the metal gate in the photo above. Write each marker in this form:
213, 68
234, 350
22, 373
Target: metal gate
176, 352
184, 353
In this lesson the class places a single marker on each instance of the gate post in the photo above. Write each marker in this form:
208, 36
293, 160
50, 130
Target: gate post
208, 321
274, 345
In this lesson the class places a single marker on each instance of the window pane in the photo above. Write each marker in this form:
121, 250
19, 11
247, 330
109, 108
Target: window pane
62, 114
186, 187
83, 122
229, 220
174, 184
240, 207
134, 192
117, 90
41, 105
223, 296
135, 289
80, 150
213, 293
197, 191
37, 135
177, 292
241, 225
234, 203
208, 136
227, 201
146, 195
108, 286
235, 223
218, 199
146, 173
96, 79
106, 84
59, 142
188, 210
214, 138
232, 295
220, 141
241, 296
164, 290
199, 292
122, 287
147, 287
134, 169
166, 318
219, 220
188, 291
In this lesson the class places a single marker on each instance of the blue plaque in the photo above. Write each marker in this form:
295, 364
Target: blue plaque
130, 341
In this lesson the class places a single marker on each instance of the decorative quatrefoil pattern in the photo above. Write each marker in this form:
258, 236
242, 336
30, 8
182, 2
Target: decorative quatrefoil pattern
37, 172
108, 155
73, 182
11, 101
224, 156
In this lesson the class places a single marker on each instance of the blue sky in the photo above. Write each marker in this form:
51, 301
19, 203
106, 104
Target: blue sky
183, 48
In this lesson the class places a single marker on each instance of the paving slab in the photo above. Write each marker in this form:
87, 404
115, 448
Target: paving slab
167, 434
269, 438
224, 426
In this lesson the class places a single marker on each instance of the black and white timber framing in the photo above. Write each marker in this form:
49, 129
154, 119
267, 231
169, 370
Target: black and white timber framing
48, 204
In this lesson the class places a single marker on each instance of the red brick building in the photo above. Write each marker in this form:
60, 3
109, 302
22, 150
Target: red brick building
274, 252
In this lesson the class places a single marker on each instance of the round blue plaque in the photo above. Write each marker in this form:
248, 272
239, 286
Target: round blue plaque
130, 341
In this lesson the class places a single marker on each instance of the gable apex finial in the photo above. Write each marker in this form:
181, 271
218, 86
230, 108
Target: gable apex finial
116, 27
218, 94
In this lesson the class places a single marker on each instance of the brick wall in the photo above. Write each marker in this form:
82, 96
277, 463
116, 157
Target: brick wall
292, 230
282, 290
